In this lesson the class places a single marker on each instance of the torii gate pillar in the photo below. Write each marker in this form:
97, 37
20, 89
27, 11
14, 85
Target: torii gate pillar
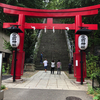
20, 53
77, 56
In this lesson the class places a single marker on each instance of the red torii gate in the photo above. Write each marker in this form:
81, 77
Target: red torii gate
76, 13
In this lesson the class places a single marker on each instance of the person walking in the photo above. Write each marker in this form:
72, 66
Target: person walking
59, 67
52, 66
45, 63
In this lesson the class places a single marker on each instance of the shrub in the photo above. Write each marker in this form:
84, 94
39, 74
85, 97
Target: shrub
90, 90
94, 92
3, 69
91, 64
3, 87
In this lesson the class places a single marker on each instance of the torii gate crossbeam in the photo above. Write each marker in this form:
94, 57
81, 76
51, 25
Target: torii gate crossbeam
76, 13
50, 26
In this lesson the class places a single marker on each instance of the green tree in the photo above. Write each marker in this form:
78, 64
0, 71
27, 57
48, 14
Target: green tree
30, 36
91, 64
29, 43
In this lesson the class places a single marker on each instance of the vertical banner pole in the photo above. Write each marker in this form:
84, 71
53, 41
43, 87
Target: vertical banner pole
81, 68
0, 69
1, 91
14, 74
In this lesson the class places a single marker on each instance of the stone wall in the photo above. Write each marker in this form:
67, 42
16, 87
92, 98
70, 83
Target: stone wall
7, 38
29, 67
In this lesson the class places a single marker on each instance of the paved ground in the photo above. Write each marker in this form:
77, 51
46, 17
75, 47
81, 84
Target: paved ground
45, 86
6, 77
43, 94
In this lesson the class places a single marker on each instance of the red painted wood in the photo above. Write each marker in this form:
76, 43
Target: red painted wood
52, 14
78, 24
49, 11
64, 13
48, 26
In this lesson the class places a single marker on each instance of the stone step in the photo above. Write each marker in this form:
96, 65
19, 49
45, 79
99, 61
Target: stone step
53, 46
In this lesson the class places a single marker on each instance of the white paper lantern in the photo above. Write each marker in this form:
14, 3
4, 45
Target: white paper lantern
14, 40
83, 42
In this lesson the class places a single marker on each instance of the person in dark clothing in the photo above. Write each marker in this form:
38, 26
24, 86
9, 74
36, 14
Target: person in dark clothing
41, 58
70, 68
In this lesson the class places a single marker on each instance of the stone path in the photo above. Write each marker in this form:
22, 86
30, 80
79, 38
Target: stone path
42, 80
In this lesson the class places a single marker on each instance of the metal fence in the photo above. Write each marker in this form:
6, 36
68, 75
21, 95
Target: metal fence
70, 45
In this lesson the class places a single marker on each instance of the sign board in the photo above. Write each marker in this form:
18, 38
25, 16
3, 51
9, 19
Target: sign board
76, 62
83, 42
14, 40
0, 68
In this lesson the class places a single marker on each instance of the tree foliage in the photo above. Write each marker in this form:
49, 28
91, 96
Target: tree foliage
29, 43
38, 4
91, 64
7, 45
30, 35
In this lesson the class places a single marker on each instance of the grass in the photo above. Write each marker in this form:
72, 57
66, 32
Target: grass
94, 92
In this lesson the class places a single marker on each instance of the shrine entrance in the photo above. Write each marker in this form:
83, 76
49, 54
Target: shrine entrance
76, 13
